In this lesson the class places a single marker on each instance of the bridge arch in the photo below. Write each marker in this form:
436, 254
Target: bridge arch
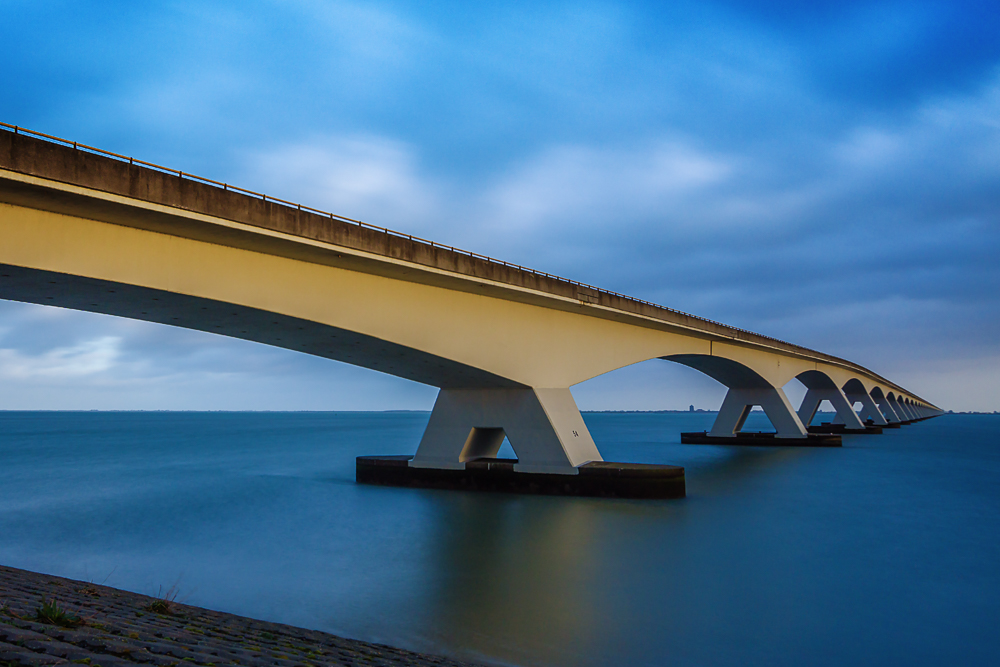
884, 405
854, 386
855, 391
821, 387
898, 406
747, 388
726, 371
905, 406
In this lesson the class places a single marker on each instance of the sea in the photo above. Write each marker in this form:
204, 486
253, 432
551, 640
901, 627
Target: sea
883, 552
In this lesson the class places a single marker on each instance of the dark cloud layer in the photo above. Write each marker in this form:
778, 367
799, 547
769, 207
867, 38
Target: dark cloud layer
828, 173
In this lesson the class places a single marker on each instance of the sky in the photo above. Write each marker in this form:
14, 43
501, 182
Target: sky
827, 173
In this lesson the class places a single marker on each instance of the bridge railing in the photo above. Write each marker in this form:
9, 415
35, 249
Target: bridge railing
389, 232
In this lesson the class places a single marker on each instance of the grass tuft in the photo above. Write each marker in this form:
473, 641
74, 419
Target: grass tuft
51, 613
164, 602
159, 607
91, 591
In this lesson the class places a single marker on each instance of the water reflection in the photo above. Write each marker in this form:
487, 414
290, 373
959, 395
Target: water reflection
534, 579
733, 465
514, 572
879, 553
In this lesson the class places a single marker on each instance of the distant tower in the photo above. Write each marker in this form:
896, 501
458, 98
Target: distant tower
691, 409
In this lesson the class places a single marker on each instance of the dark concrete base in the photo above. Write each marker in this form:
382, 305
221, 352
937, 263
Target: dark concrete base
893, 425
842, 429
761, 440
600, 478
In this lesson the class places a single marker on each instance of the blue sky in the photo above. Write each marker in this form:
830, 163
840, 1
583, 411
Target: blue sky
827, 172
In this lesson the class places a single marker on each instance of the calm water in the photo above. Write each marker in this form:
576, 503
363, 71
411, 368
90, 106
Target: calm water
884, 552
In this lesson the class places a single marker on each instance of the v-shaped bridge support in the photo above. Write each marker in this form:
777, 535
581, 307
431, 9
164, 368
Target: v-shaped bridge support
544, 427
819, 388
740, 401
856, 393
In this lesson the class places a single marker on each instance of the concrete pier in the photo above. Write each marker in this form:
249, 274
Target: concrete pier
601, 479
761, 440
827, 427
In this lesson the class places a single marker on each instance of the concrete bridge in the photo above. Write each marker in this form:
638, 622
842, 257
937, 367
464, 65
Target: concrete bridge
94, 231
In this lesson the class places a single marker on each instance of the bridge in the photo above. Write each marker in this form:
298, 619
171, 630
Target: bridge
90, 230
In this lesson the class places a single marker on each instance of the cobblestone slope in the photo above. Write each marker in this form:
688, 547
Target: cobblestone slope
119, 628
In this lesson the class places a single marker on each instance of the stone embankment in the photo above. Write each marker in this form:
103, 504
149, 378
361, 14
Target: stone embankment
97, 625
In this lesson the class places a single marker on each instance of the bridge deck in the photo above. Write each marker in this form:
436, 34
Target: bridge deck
75, 166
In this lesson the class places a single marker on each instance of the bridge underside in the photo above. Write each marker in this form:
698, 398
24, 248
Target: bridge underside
237, 321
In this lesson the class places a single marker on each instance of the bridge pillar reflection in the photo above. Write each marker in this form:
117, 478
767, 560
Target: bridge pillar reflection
544, 426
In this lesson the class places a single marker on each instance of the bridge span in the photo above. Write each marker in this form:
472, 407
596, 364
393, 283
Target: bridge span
90, 230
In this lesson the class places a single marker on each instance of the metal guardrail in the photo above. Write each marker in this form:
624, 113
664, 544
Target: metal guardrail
385, 230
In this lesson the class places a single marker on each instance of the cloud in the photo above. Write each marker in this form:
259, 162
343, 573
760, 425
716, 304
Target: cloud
88, 358
52, 358
869, 202
371, 178
593, 185
824, 173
